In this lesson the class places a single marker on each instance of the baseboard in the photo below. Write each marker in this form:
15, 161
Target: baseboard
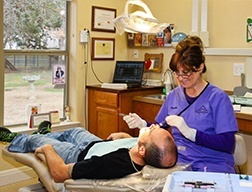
16, 175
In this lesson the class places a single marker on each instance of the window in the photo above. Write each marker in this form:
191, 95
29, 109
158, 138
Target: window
35, 48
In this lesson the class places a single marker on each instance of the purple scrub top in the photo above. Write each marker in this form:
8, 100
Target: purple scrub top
212, 113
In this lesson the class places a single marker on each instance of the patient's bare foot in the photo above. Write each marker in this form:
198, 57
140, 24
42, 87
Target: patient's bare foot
39, 150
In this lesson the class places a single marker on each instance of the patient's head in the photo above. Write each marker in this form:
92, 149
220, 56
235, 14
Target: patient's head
159, 147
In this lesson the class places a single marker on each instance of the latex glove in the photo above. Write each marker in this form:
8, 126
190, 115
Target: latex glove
179, 122
134, 121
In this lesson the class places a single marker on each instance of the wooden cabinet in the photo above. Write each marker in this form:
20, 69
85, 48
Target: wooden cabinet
147, 111
106, 108
244, 123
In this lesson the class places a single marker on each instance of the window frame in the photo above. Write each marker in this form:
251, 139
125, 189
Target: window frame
49, 52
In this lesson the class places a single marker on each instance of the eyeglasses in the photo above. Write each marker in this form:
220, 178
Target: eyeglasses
185, 74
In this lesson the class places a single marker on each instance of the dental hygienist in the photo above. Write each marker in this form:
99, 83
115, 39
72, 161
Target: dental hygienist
200, 114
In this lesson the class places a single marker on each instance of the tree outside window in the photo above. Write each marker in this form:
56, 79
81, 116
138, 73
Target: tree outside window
34, 42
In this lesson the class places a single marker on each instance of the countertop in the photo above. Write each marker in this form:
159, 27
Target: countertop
99, 87
239, 115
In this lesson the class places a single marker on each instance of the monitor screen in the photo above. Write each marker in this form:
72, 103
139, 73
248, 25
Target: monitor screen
128, 72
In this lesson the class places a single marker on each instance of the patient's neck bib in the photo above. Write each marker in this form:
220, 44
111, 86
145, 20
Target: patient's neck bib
102, 148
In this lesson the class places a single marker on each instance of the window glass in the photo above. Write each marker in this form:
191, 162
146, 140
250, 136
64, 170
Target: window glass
35, 25
35, 58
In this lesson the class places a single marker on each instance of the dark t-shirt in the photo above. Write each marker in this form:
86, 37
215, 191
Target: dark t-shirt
113, 165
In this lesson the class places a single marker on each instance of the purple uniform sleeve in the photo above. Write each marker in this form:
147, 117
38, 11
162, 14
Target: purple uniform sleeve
222, 142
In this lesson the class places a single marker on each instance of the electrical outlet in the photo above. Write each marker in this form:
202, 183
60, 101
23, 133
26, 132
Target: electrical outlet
238, 69
135, 53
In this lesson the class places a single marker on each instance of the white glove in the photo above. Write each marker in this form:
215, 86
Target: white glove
134, 121
179, 122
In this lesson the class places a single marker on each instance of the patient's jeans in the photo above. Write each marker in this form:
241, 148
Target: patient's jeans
67, 144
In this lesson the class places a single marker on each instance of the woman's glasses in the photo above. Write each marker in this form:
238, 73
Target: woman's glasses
185, 74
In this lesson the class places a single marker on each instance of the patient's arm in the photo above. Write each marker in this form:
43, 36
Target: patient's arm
119, 135
57, 167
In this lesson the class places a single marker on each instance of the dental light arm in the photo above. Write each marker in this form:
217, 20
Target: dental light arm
138, 21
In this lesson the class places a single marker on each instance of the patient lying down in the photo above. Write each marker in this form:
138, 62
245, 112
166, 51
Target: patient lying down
76, 153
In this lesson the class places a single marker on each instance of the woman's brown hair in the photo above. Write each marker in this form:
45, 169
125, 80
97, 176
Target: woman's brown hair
188, 55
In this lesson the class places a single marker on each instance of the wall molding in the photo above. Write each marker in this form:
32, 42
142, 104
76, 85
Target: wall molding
228, 52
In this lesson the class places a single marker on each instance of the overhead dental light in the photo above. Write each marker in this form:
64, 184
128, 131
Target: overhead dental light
138, 21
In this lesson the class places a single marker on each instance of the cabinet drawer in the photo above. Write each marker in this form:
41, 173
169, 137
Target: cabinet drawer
105, 98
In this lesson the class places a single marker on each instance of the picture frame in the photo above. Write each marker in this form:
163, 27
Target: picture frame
31, 109
102, 19
153, 62
138, 39
36, 119
168, 33
54, 117
103, 49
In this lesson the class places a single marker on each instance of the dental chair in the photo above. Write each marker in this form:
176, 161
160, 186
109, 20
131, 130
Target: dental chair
240, 153
149, 179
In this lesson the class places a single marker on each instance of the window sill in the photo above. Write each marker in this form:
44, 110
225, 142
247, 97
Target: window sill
55, 127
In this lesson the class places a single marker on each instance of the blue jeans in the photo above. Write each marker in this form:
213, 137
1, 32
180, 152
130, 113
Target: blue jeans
67, 144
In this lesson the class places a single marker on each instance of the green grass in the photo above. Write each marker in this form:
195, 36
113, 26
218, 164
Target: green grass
17, 94
15, 79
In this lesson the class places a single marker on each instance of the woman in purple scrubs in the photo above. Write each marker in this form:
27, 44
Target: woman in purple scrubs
200, 114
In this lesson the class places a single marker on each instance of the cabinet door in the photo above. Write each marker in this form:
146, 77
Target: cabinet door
106, 121
146, 111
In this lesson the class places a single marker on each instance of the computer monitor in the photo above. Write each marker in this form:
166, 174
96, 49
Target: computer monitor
129, 72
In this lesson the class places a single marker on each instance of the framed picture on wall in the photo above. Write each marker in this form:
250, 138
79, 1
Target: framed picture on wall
103, 49
102, 19
153, 62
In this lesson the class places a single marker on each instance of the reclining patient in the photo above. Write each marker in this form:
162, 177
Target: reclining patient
76, 153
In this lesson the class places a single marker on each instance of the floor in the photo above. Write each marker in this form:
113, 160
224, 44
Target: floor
15, 186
